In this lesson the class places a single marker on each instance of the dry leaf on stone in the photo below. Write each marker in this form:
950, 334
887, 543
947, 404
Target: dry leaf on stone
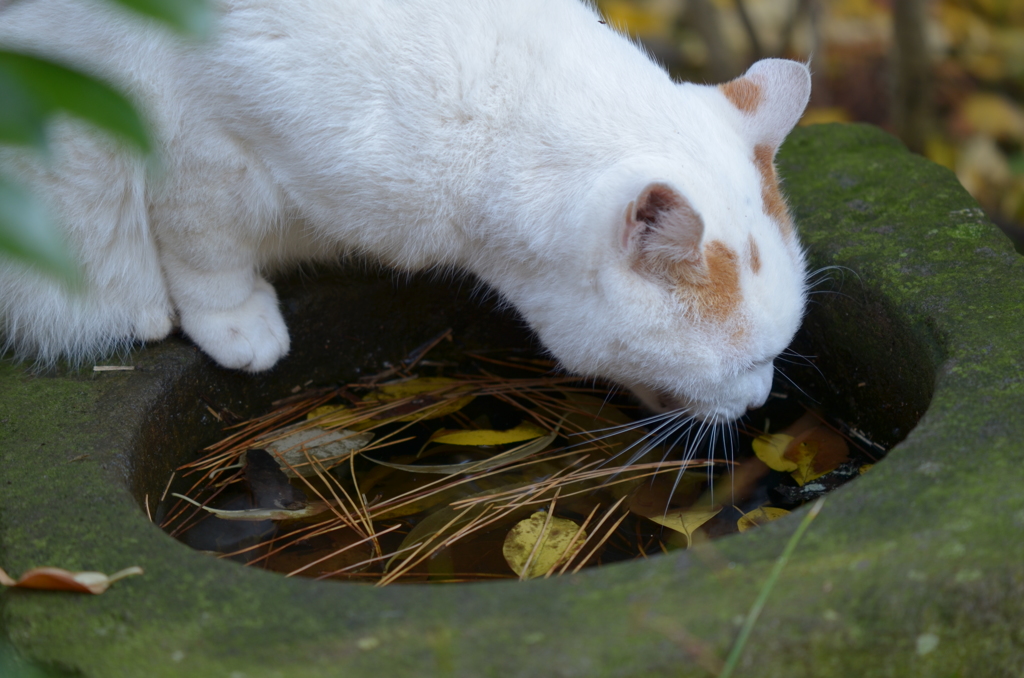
56, 579
760, 516
539, 543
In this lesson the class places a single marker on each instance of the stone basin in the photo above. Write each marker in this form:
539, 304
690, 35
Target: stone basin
915, 569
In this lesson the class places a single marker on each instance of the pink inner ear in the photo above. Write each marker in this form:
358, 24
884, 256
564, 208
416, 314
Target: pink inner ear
664, 225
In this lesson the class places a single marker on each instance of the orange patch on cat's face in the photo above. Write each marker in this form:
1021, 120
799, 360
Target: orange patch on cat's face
712, 288
744, 93
753, 255
771, 196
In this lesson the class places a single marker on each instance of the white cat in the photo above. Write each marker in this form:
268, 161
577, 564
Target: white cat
635, 223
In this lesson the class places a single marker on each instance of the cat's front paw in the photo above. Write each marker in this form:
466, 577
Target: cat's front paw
153, 324
250, 337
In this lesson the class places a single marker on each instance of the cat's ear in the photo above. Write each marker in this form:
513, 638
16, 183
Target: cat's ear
662, 229
772, 95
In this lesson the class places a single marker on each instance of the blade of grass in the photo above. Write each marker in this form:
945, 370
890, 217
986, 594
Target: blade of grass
755, 610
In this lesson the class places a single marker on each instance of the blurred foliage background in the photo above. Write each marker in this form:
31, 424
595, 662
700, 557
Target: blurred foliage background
34, 91
946, 76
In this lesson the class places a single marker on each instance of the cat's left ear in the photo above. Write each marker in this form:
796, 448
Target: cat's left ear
772, 95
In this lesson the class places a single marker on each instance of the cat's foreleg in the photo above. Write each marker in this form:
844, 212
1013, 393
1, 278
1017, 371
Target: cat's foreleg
212, 218
98, 196
232, 313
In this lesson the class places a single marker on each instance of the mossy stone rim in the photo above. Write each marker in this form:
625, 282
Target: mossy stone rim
912, 570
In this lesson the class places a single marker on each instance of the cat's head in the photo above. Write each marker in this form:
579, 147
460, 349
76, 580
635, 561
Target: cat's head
694, 282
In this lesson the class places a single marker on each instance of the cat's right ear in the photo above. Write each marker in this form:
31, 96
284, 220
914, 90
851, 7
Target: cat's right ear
772, 95
662, 229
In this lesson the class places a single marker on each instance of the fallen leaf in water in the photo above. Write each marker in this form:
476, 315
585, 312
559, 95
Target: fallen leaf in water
434, 398
685, 521
524, 431
539, 543
445, 522
816, 451
771, 449
807, 449
320, 444
56, 579
313, 508
325, 410
760, 516
501, 459
655, 496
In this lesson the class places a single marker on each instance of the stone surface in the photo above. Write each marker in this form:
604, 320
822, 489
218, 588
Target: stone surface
913, 570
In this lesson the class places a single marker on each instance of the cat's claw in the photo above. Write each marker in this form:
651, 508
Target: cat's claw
250, 337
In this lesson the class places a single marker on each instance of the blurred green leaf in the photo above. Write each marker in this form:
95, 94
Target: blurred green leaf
1017, 163
33, 89
28, 233
192, 17
14, 666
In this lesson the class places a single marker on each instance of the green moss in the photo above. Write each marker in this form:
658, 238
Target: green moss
913, 570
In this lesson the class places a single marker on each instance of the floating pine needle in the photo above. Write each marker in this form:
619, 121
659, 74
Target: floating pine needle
457, 477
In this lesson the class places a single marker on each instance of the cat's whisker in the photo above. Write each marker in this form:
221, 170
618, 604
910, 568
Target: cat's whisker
808, 360
624, 428
652, 440
795, 385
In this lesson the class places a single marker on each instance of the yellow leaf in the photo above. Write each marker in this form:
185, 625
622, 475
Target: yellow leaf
803, 455
501, 459
816, 451
325, 409
940, 151
410, 387
685, 521
771, 449
525, 431
653, 21
821, 115
760, 516
434, 398
992, 115
539, 543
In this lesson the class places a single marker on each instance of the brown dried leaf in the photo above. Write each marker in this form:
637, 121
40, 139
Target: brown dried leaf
57, 579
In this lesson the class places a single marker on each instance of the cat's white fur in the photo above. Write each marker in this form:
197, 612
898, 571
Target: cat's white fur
521, 140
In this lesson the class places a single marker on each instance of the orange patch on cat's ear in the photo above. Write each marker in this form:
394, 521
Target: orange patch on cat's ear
774, 204
753, 255
744, 93
712, 288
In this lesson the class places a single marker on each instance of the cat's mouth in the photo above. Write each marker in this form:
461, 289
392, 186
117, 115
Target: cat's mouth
711, 412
